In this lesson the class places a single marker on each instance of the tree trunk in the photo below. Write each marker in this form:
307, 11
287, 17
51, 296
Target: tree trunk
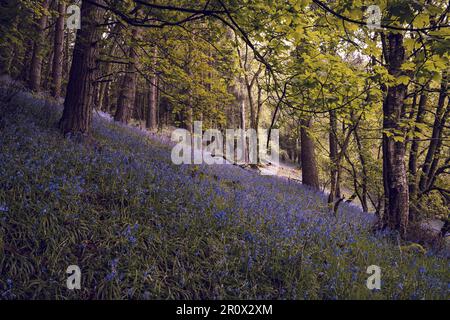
58, 51
364, 179
66, 63
334, 188
46, 79
127, 93
437, 158
77, 113
103, 102
394, 167
106, 107
36, 60
25, 65
413, 154
436, 138
310, 176
152, 114
243, 128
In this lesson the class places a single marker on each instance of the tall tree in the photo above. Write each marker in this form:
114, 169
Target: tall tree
36, 60
310, 174
414, 154
396, 192
335, 191
432, 157
77, 113
58, 50
127, 93
152, 114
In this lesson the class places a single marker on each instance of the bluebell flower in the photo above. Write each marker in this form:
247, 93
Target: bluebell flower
4, 208
248, 236
249, 263
132, 239
111, 276
221, 216
53, 187
114, 263
127, 231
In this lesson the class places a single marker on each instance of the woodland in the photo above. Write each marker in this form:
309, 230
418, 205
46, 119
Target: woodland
91, 90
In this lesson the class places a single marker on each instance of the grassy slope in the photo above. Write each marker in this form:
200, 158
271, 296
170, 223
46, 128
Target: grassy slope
140, 227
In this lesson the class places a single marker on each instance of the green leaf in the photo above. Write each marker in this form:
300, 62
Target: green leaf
422, 20
403, 80
408, 66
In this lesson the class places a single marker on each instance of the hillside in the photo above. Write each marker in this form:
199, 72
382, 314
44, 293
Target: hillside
140, 227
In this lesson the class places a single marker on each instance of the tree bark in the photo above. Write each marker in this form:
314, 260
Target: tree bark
106, 106
104, 87
428, 168
36, 60
413, 155
66, 63
334, 188
310, 176
58, 50
152, 114
25, 65
243, 128
127, 93
46, 79
77, 113
362, 158
394, 167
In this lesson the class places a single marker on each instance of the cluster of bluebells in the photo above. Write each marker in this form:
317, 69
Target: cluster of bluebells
113, 274
181, 231
129, 233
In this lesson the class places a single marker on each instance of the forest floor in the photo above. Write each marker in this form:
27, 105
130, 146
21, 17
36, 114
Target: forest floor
285, 169
139, 226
